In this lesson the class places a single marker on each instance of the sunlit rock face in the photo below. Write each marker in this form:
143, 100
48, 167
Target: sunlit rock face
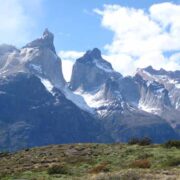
37, 57
91, 71
162, 94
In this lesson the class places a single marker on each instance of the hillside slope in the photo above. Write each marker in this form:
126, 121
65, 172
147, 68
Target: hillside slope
92, 161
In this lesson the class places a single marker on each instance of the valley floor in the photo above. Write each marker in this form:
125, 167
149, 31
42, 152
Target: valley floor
92, 161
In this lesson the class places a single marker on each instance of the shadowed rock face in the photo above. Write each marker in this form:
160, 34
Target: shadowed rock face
91, 71
31, 116
171, 74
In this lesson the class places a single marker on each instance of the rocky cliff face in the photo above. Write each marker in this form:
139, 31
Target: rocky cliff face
38, 58
166, 93
170, 80
31, 116
91, 71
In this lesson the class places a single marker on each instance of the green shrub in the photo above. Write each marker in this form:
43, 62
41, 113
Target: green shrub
145, 156
172, 162
145, 141
58, 169
133, 141
142, 142
4, 154
172, 143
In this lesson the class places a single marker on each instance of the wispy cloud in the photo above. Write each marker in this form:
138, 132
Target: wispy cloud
17, 19
68, 58
142, 38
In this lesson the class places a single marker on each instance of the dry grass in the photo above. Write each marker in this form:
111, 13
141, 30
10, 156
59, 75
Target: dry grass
103, 167
141, 163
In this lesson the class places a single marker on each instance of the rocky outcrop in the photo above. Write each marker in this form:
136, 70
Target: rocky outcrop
32, 116
91, 71
38, 58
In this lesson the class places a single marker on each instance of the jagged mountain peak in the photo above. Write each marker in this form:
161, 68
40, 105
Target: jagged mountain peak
159, 72
48, 35
94, 54
46, 41
37, 57
91, 71
151, 70
94, 58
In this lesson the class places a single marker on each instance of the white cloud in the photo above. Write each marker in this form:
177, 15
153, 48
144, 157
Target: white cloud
142, 38
68, 58
17, 19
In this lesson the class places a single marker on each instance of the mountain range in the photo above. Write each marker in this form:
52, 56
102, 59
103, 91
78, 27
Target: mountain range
38, 107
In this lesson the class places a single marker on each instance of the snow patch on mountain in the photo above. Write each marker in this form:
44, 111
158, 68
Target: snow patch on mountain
102, 65
48, 85
77, 99
177, 85
36, 67
148, 108
93, 99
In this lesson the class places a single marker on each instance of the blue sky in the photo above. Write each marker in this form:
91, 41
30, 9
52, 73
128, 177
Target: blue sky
130, 33
76, 26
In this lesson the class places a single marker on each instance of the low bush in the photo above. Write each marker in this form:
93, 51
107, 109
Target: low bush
173, 162
58, 169
4, 154
142, 142
145, 155
133, 141
172, 143
141, 163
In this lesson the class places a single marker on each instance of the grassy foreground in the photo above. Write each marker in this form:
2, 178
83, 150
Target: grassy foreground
92, 161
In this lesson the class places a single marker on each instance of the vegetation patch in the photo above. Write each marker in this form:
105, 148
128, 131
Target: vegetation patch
58, 169
172, 143
172, 162
142, 142
83, 161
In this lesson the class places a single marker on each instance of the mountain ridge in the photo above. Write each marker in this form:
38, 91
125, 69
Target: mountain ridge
108, 102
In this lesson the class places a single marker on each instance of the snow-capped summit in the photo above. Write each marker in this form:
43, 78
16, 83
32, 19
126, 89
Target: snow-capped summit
48, 35
37, 57
94, 54
94, 58
91, 71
